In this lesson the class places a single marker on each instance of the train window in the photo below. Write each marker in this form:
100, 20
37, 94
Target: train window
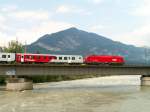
60, 58
65, 58
45, 57
3, 56
8, 56
69, 58
38, 57
32, 57
73, 58
22, 57
27, 57
79, 57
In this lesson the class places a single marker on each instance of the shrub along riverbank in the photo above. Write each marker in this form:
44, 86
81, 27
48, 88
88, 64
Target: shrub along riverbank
43, 78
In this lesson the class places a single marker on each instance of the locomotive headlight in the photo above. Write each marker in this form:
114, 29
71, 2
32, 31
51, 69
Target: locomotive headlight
114, 59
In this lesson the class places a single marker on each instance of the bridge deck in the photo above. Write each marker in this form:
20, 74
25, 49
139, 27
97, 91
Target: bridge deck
49, 69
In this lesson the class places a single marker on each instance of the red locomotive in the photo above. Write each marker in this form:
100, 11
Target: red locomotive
104, 59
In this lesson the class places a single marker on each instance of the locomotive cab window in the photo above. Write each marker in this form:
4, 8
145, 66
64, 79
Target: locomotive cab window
8, 56
3, 56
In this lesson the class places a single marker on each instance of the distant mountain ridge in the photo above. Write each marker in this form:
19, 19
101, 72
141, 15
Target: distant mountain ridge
75, 41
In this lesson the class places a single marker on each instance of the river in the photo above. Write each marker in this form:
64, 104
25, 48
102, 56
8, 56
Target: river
112, 94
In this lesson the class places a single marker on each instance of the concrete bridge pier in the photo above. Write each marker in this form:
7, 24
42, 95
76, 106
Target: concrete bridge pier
145, 80
13, 83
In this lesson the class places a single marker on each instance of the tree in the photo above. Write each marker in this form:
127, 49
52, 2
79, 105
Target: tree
13, 47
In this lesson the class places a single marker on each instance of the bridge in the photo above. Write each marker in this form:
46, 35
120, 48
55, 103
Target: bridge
59, 69
47, 69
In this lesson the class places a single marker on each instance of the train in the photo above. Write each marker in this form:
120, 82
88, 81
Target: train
61, 59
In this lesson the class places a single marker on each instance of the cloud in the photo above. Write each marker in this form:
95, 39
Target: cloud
3, 23
3, 39
69, 9
38, 15
138, 37
27, 25
96, 28
96, 2
2, 18
32, 34
63, 9
8, 8
143, 9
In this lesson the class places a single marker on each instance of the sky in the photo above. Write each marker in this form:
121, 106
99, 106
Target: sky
127, 21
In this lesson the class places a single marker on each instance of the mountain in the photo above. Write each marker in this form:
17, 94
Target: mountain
75, 41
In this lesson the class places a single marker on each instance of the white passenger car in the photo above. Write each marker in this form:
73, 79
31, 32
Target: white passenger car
74, 59
7, 57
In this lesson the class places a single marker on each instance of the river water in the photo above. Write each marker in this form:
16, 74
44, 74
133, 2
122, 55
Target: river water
111, 94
